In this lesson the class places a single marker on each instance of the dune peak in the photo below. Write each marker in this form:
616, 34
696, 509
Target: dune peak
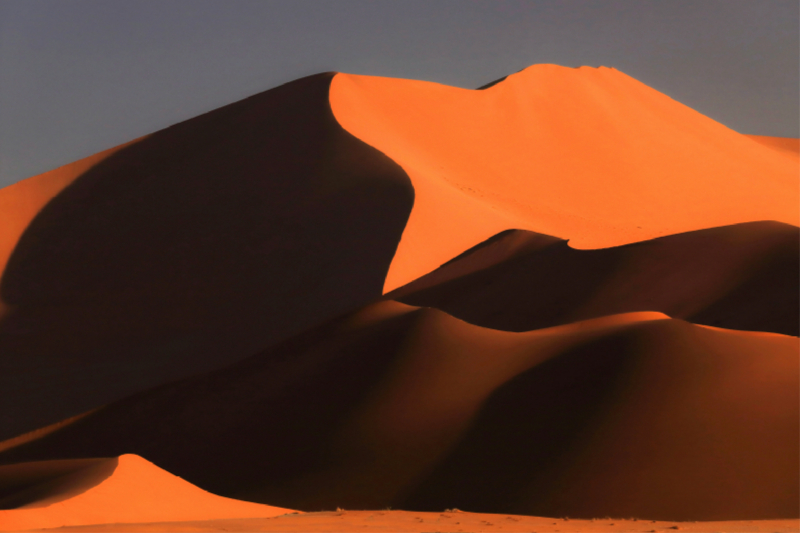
586, 154
126, 489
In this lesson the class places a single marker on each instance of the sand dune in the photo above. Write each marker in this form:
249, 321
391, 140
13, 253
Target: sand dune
138, 283
736, 277
586, 154
107, 491
633, 415
22, 201
193, 247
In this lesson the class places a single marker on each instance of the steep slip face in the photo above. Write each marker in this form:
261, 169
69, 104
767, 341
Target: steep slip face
630, 415
20, 202
736, 277
586, 154
193, 247
121, 490
28, 483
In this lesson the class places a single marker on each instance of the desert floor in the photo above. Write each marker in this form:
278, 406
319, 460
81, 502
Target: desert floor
368, 521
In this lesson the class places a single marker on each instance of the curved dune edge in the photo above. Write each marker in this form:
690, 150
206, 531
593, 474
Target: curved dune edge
206, 241
662, 408
21, 201
136, 491
41, 432
587, 154
448, 521
784, 145
741, 277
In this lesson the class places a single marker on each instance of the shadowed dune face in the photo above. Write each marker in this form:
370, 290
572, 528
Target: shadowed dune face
41, 483
193, 247
786, 145
138, 283
107, 491
669, 421
586, 154
630, 415
736, 277
20, 202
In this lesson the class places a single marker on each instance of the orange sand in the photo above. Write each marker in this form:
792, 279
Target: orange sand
207, 241
740, 277
449, 521
587, 154
414, 416
128, 489
633, 415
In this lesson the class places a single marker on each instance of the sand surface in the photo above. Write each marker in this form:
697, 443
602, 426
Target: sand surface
206, 241
736, 277
125, 489
22, 201
612, 331
783, 144
587, 154
632, 415
410, 521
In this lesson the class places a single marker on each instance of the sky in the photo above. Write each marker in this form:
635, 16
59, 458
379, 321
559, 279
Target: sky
80, 76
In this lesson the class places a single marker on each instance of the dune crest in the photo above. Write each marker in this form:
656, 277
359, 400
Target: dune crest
197, 245
129, 489
20, 202
590, 155
736, 277
786, 145
251, 300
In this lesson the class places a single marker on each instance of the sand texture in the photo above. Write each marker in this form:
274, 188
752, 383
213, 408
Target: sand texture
633, 415
736, 277
560, 302
590, 155
193, 247
126, 489
449, 521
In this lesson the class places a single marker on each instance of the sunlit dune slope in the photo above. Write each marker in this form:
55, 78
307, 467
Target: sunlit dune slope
193, 247
633, 415
587, 154
736, 277
125, 489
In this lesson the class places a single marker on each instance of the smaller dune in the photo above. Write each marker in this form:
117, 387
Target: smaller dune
626, 415
128, 489
741, 277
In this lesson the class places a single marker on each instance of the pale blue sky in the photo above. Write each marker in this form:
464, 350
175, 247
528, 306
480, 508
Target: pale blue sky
79, 76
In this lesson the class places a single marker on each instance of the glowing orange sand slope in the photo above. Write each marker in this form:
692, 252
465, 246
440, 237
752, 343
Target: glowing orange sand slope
587, 154
135, 491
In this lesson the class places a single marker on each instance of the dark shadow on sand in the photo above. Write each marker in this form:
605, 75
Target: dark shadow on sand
197, 246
